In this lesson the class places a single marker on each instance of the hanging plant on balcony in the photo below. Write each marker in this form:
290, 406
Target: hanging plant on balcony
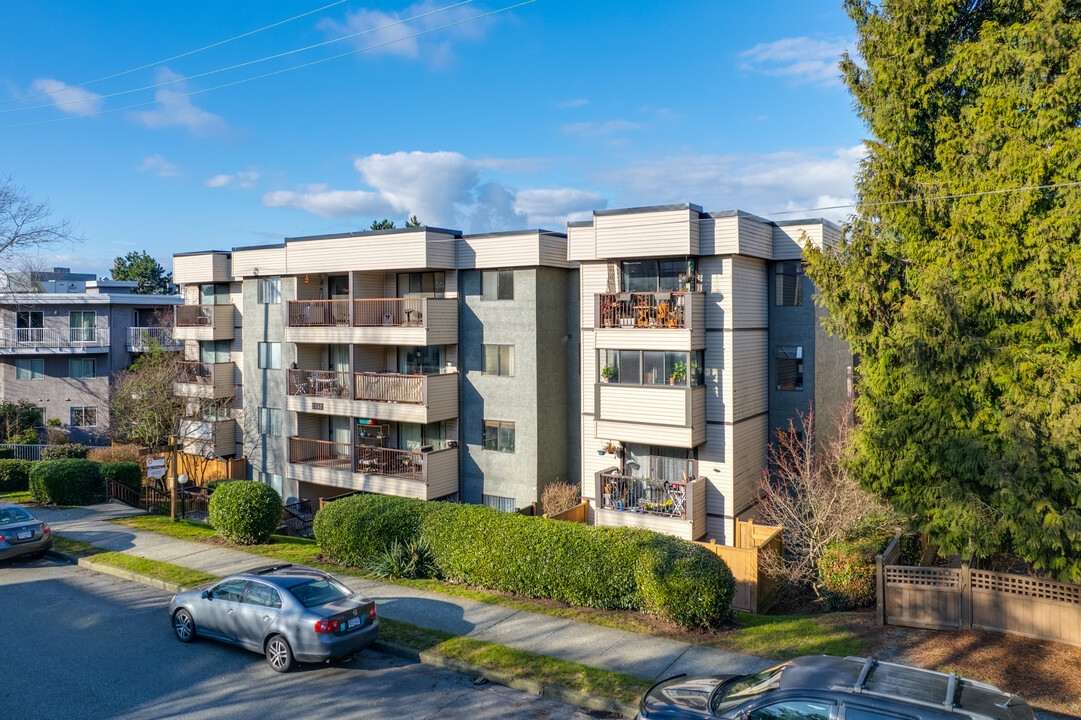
611, 448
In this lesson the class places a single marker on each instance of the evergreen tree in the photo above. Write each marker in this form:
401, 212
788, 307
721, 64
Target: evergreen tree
383, 224
148, 272
412, 222
966, 312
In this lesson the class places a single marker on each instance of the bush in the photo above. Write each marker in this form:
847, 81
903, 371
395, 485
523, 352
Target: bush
29, 436
116, 453
67, 482
64, 452
215, 483
404, 560
847, 570
559, 497
14, 475
245, 512
124, 472
6, 453
603, 567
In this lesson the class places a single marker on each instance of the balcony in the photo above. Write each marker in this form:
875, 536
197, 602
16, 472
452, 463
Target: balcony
675, 508
208, 437
652, 320
383, 321
204, 322
53, 341
385, 396
205, 380
385, 471
145, 339
653, 414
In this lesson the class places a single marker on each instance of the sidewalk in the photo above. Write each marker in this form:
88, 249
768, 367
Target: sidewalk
644, 656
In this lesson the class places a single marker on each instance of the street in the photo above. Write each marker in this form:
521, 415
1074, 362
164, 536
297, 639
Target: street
81, 645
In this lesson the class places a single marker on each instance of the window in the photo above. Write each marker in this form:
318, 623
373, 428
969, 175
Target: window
229, 590
499, 436
320, 592
270, 356
789, 367
270, 290
793, 710
263, 596
273, 480
214, 294
653, 367
789, 282
30, 326
270, 421
29, 368
84, 417
421, 284
505, 504
81, 326
659, 463
654, 275
743, 688
858, 713
82, 367
497, 285
499, 360
214, 351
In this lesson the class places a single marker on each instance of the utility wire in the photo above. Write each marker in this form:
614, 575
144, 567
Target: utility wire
174, 57
240, 65
276, 72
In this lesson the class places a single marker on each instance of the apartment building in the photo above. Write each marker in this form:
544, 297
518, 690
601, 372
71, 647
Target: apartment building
414, 362
699, 339
59, 350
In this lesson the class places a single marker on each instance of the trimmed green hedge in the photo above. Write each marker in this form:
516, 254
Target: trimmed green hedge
67, 482
65, 451
124, 472
603, 567
215, 483
14, 475
245, 512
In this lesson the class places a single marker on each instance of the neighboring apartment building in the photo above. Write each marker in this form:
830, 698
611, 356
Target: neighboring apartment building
59, 350
413, 362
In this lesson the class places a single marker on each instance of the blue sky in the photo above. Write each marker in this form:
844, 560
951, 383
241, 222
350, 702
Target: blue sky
526, 118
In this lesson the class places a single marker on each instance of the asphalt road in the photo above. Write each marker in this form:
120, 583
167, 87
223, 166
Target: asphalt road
78, 645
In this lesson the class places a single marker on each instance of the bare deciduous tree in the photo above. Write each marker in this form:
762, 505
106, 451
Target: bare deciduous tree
27, 225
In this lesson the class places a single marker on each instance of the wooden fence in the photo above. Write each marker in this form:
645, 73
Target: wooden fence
579, 514
755, 587
201, 470
963, 598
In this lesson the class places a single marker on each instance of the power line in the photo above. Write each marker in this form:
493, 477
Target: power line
174, 57
240, 65
276, 72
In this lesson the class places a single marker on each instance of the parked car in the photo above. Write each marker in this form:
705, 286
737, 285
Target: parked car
289, 613
820, 687
22, 534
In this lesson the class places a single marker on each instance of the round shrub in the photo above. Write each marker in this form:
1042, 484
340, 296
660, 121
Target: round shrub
67, 482
124, 472
684, 583
215, 483
14, 475
245, 512
355, 530
65, 451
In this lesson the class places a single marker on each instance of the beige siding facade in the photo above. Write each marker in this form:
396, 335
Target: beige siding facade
204, 267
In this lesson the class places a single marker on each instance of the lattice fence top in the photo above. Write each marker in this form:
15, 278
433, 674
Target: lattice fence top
983, 580
926, 577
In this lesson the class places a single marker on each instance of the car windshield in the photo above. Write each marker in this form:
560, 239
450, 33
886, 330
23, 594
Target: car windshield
320, 592
14, 515
742, 688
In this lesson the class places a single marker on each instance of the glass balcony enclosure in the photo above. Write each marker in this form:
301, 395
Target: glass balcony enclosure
652, 367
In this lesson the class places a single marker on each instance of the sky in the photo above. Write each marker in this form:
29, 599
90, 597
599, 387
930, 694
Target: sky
466, 115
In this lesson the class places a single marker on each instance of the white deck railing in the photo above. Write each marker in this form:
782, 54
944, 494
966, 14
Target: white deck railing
14, 338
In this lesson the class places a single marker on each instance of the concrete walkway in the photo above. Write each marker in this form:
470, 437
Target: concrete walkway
644, 656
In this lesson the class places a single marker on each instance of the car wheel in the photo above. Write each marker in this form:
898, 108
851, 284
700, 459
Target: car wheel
183, 626
279, 654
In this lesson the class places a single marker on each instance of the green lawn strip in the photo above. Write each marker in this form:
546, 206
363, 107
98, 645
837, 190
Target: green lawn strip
411, 636
787, 636
155, 568
17, 496
77, 548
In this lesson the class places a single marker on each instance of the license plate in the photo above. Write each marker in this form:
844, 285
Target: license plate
353, 623
24, 534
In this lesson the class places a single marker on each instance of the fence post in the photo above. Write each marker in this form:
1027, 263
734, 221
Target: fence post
966, 596
880, 594
172, 485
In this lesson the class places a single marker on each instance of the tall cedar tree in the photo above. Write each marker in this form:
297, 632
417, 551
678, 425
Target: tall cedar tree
966, 313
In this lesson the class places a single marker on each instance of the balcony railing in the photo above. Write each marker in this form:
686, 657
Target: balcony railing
319, 313
195, 315
652, 497
144, 338
195, 373
642, 310
54, 337
389, 387
319, 383
405, 464
322, 453
390, 312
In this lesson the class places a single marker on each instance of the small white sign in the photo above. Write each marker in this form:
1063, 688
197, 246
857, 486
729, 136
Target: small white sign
155, 462
156, 472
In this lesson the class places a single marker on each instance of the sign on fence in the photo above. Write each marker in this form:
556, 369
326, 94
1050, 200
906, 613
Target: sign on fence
155, 467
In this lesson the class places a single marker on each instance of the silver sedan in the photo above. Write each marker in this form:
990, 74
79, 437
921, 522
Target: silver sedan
289, 613
22, 534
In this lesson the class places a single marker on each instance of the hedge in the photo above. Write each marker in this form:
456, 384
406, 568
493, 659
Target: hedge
602, 567
215, 483
124, 472
847, 570
67, 482
245, 512
7, 453
65, 451
14, 475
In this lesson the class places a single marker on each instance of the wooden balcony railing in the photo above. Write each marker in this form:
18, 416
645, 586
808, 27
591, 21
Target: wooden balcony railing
195, 315
642, 310
319, 313
197, 373
389, 387
322, 453
390, 312
652, 497
405, 464
321, 383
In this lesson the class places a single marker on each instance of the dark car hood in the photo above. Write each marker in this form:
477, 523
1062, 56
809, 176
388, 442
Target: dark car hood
683, 696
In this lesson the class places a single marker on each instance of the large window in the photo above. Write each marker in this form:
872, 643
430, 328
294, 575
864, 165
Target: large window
499, 360
654, 275
270, 356
81, 325
789, 367
789, 282
214, 294
82, 367
270, 421
659, 463
505, 504
214, 351
421, 284
499, 436
84, 417
29, 368
653, 367
497, 285
270, 290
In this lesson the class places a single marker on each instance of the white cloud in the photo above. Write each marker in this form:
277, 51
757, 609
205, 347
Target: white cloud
175, 110
579, 102
244, 180
158, 165
72, 100
554, 207
802, 60
596, 129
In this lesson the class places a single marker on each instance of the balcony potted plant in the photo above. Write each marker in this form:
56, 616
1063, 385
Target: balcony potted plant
611, 449
607, 372
679, 373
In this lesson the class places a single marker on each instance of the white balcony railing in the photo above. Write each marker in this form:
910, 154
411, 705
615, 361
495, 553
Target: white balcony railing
144, 338
53, 338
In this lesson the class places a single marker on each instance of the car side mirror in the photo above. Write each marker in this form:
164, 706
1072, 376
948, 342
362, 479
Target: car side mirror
205, 595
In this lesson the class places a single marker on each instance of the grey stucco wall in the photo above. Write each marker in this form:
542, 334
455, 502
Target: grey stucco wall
790, 325
555, 380
833, 358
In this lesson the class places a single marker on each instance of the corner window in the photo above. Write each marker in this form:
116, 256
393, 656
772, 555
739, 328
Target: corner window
270, 290
29, 368
84, 417
499, 360
270, 421
499, 436
270, 356
497, 285
789, 367
82, 368
789, 282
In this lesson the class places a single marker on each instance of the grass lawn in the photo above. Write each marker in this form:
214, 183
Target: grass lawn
17, 496
74, 547
787, 636
153, 568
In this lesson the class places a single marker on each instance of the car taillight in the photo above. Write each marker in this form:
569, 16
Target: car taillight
327, 626
47, 529
371, 612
